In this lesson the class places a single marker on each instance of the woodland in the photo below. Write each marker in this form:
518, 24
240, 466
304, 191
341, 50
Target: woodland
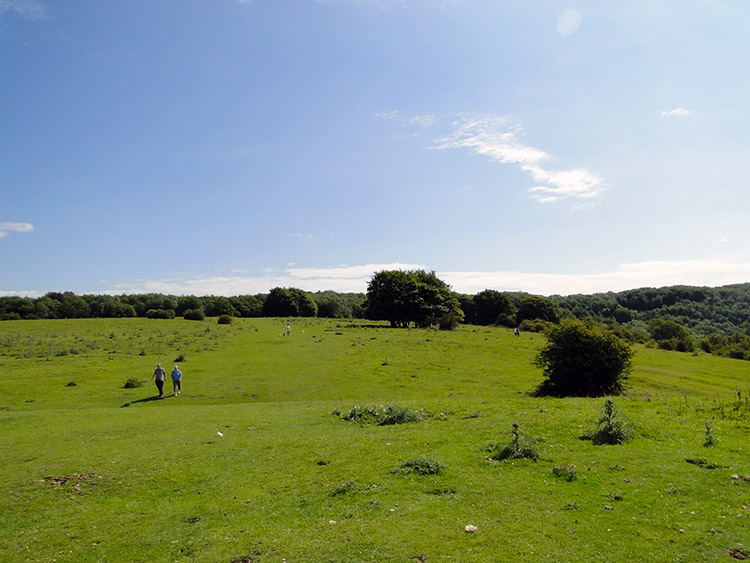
686, 318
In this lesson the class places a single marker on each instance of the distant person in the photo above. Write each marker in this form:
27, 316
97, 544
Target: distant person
177, 381
288, 329
516, 332
159, 375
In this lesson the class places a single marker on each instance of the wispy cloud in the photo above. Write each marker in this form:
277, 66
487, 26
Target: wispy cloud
568, 22
677, 112
495, 138
8, 228
303, 237
26, 9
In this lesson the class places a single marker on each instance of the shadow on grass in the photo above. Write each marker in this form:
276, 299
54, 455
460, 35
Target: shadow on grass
147, 400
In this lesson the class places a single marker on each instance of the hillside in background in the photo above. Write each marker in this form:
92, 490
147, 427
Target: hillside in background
717, 318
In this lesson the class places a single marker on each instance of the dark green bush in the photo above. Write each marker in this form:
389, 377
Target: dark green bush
582, 360
160, 314
194, 315
225, 320
133, 383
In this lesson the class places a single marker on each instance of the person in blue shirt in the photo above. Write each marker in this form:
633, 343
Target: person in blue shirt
177, 381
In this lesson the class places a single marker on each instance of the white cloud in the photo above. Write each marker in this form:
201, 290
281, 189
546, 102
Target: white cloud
711, 273
342, 279
423, 120
494, 138
354, 279
7, 228
568, 22
658, 273
26, 9
387, 114
677, 112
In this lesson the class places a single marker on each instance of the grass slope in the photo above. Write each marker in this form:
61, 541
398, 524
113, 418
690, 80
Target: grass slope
94, 472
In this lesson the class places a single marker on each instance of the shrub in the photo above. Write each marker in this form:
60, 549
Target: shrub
520, 447
225, 320
534, 326
581, 360
194, 315
132, 383
179, 359
383, 415
421, 466
160, 314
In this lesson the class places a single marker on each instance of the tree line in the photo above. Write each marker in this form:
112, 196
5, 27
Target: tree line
716, 320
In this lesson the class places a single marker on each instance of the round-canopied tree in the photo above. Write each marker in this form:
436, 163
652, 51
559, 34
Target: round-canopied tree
494, 307
582, 360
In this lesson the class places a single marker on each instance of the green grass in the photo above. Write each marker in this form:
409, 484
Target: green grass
85, 478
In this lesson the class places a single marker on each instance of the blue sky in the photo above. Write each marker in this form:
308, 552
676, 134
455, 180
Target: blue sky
227, 147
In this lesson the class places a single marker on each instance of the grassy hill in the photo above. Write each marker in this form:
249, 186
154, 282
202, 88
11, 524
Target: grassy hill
250, 464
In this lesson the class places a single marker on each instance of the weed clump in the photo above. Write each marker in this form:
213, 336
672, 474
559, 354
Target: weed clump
610, 428
420, 466
565, 472
133, 383
71, 384
345, 488
383, 415
520, 447
709, 439
180, 358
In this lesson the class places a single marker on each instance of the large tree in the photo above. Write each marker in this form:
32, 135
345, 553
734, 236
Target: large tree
419, 297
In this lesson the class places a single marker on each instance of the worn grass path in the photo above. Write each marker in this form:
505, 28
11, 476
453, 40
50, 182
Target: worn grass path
84, 477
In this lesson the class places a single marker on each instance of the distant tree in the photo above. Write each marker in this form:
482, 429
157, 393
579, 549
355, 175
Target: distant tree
390, 297
670, 335
186, 303
417, 297
70, 305
494, 307
216, 306
469, 309
330, 305
305, 303
280, 303
533, 307
581, 360
247, 305
142, 303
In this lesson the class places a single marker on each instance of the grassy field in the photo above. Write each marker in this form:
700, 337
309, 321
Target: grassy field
250, 464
